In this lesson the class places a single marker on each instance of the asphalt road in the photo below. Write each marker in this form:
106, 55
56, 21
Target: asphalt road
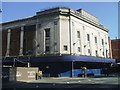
107, 83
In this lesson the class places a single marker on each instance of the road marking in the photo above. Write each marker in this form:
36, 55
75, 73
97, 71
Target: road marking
97, 78
89, 80
98, 82
68, 82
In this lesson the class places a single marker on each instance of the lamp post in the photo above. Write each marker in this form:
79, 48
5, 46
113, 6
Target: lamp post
105, 52
14, 62
104, 56
72, 68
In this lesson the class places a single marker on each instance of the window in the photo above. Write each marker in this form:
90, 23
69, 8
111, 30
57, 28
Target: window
83, 27
95, 39
47, 32
96, 52
47, 40
39, 25
65, 47
72, 23
88, 37
47, 49
102, 42
78, 34
78, 49
89, 51
55, 22
107, 53
103, 53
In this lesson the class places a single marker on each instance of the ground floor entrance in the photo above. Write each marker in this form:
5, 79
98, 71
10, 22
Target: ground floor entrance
62, 66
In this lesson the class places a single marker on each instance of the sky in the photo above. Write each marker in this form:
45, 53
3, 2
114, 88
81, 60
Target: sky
106, 12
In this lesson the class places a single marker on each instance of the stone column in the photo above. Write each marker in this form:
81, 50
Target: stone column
37, 38
8, 42
21, 41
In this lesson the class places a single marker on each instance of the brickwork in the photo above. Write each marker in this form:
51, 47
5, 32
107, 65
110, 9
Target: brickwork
116, 49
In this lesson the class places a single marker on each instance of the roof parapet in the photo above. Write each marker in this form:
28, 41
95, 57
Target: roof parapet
51, 10
80, 13
88, 15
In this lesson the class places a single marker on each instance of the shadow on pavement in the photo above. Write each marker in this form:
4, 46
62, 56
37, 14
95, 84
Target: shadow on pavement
58, 86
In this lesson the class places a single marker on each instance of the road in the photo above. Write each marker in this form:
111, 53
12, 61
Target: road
107, 83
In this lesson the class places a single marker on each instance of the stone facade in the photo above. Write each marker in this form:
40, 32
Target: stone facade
56, 31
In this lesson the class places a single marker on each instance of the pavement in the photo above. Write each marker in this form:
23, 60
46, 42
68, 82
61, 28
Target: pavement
107, 83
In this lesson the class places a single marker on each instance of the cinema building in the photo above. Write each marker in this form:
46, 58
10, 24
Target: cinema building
60, 41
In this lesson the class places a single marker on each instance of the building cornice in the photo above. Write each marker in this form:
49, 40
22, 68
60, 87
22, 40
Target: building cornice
62, 11
77, 14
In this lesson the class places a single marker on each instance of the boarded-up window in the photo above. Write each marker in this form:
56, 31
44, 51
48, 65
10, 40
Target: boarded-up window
15, 41
4, 42
28, 42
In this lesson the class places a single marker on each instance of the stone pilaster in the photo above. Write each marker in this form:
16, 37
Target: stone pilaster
21, 41
8, 42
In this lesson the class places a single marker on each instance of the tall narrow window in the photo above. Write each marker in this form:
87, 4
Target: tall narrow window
78, 34
89, 51
47, 32
96, 52
72, 23
107, 53
47, 48
83, 27
47, 40
95, 39
103, 53
65, 48
102, 42
88, 37
78, 49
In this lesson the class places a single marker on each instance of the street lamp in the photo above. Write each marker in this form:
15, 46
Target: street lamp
72, 68
14, 62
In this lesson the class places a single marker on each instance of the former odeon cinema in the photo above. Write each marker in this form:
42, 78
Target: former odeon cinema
60, 41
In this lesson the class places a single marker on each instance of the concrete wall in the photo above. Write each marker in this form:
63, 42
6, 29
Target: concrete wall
51, 22
63, 32
23, 74
84, 28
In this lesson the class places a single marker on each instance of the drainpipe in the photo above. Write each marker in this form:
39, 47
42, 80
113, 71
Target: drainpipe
70, 30
72, 69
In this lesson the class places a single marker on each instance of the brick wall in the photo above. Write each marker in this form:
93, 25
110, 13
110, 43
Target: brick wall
116, 49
